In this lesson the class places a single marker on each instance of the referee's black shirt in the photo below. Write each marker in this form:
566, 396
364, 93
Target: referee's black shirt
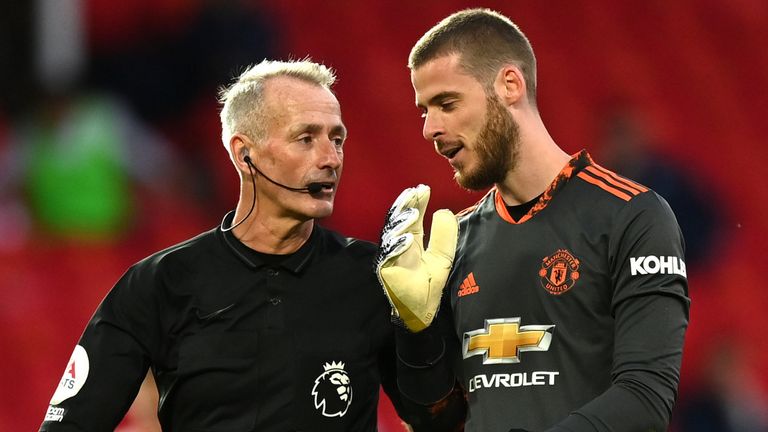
237, 341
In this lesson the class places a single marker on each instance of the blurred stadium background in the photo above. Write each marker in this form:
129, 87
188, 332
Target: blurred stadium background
109, 150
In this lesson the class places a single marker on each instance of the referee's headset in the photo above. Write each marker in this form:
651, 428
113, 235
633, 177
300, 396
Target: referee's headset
311, 188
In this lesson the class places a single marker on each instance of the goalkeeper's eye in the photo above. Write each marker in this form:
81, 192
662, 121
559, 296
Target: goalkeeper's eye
448, 106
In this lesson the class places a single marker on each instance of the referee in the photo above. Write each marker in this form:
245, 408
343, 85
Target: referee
269, 322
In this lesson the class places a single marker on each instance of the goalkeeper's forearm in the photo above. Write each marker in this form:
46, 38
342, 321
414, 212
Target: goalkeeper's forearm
431, 393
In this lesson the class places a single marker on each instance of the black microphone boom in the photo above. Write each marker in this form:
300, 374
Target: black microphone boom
314, 188
311, 188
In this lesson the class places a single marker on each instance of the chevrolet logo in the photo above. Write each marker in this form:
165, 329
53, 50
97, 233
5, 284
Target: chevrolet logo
503, 339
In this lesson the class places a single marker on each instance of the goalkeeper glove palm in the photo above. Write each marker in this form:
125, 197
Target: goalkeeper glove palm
413, 278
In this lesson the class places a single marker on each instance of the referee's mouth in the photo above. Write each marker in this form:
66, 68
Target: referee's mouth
321, 188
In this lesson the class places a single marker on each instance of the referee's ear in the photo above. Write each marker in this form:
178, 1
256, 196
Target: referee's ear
239, 147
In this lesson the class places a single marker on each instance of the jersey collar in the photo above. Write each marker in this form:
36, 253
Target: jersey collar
578, 162
295, 263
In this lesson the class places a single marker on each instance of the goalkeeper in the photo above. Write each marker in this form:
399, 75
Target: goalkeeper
565, 296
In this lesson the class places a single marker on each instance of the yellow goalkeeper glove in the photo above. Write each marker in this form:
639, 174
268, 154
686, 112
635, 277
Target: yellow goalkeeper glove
412, 278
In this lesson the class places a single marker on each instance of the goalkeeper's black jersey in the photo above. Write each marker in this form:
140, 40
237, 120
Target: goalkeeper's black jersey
236, 343
575, 313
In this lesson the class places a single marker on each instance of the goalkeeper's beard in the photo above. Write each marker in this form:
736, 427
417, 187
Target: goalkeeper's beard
496, 149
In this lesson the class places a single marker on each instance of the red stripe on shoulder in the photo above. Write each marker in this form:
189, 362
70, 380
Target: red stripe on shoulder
623, 180
604, 186
466, 211
472, 208
610, 181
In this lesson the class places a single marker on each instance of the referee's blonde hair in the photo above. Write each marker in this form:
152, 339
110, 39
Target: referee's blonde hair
243, 109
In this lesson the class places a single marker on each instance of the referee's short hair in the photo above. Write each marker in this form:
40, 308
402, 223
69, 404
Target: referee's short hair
243, 101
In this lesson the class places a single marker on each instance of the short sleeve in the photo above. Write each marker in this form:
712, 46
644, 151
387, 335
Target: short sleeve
104, 373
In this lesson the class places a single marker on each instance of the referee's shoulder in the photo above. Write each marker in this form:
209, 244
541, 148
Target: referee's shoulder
336, 240
185, 251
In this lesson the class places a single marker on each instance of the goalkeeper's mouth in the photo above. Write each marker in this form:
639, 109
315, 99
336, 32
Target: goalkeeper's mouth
449, 151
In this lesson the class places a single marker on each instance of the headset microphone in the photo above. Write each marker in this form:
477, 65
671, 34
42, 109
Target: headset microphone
311, 188
314, 188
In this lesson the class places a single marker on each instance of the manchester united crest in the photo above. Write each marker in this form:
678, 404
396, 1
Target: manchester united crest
559, 272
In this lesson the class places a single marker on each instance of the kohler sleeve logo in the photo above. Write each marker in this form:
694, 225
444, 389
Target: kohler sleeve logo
645, 265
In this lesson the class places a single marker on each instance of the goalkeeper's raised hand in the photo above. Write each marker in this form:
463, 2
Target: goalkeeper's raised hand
413, 278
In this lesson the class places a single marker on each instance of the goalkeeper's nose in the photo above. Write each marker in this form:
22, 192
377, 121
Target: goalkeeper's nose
433, 126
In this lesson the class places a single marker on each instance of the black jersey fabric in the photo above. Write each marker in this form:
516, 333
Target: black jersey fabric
236, 343
571, 319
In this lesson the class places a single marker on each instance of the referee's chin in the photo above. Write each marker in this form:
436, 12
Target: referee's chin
316, 209
320, 209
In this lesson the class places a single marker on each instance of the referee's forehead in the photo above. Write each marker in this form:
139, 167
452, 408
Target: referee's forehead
291, 102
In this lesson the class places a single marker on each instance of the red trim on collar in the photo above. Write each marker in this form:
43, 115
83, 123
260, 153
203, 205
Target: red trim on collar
578, 161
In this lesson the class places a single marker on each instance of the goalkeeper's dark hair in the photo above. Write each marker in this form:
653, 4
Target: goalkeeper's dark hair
486, 41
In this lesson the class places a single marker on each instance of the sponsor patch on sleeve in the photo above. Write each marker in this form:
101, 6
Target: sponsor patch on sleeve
650, 264
73, 379
54, 414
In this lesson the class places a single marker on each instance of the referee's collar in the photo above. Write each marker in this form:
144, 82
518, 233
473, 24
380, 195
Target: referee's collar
253, 259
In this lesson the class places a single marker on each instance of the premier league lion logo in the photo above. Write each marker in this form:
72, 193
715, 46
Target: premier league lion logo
332, 390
